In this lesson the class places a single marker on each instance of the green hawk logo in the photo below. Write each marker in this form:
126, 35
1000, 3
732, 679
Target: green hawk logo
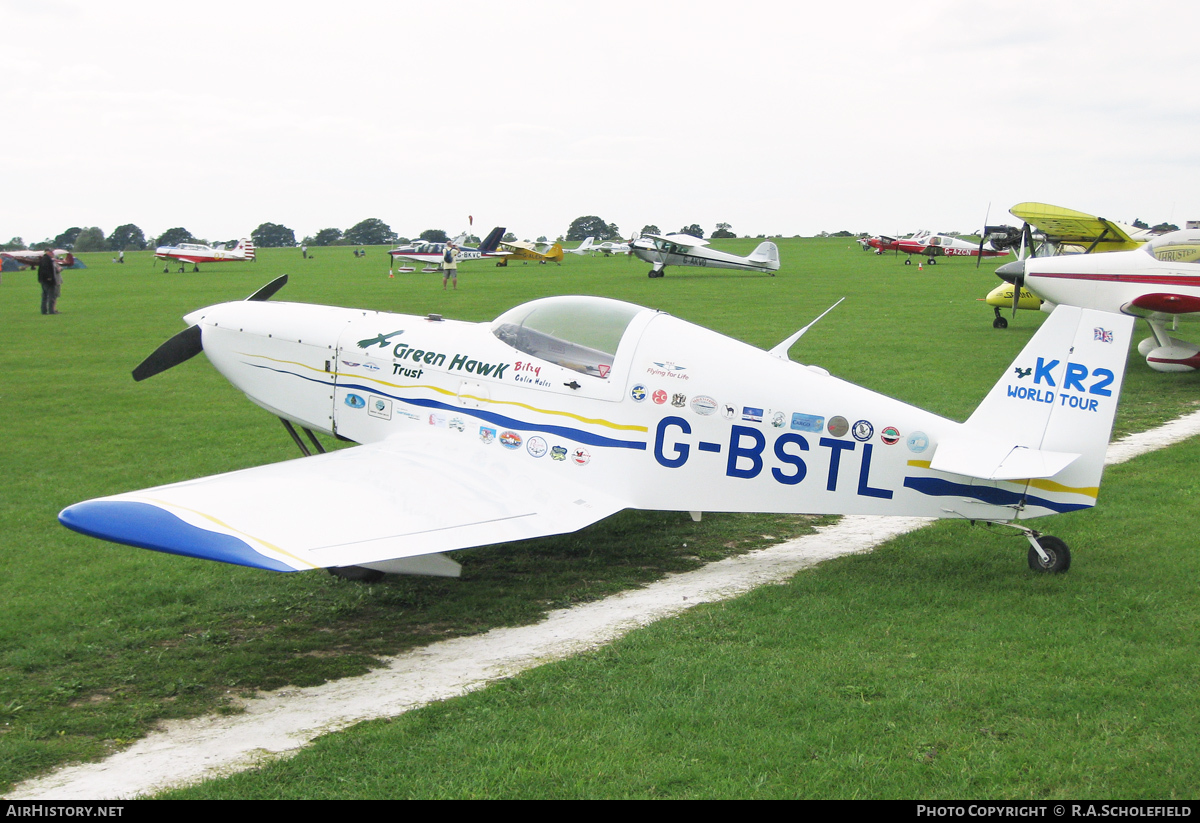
381, 339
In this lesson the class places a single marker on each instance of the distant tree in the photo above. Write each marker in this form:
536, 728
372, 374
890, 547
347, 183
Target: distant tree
434, 236
541, 238
590, 226
66, 240
842, 233
272, 236
1163, 228
370, 232
1138, 224
723, 231
126, 236
175, 236
693, 230
13, 245
613, 231
508, 237
325, 237
90, 239
650, 228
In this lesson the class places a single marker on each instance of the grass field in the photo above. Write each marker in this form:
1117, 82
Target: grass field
934, 667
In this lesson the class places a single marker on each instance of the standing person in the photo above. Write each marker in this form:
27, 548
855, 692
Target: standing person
50, 276
121, 256
450, 266
304, 251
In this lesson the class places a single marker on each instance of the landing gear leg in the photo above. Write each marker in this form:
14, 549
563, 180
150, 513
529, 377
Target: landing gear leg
999, 322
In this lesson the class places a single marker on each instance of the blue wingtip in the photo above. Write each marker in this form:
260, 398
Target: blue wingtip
149, 527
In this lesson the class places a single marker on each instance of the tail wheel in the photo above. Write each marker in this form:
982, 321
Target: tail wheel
1058, 556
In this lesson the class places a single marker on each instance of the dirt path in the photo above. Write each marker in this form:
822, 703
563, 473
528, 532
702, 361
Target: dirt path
285, 720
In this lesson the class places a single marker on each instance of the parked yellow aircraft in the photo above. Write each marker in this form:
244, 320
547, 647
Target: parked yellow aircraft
526, 251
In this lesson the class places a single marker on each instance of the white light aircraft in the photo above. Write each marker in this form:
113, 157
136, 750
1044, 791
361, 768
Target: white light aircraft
565, 410
432, 254
685, 250
609, 248
583, 248
1159, 281
197, 253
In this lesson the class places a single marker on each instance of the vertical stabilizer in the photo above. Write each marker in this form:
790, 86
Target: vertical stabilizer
1048, 419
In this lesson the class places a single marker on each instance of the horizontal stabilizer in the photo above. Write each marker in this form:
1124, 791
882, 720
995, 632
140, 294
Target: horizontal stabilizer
988, 460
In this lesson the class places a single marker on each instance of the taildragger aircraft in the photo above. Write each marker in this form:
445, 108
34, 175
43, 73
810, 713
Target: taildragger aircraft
685, 250
565, 410
197, 253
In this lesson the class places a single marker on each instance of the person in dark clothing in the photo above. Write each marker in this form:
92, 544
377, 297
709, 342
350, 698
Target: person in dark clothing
49, 275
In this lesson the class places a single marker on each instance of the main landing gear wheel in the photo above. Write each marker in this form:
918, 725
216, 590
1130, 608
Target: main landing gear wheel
358, 574
654, 274
908, 262
1058, 556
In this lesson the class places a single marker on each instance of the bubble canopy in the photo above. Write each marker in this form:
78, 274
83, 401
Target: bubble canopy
579, 333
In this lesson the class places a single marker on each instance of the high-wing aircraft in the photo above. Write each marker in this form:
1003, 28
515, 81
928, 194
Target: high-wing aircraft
565, 410
28, 258
431, 254
685, 250
530, 253
880, 243
1060, 231
1160, 282
197, 253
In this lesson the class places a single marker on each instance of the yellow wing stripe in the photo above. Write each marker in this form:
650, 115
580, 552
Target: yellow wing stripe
168, 506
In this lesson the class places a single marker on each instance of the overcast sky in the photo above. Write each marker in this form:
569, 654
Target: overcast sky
778, 118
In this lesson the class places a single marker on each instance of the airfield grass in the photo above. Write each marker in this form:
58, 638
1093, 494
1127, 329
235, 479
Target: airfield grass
931, 668
99, 642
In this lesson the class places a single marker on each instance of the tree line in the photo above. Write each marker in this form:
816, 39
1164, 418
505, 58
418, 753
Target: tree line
129, 237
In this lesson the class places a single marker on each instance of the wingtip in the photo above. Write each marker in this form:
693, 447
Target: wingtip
146, 526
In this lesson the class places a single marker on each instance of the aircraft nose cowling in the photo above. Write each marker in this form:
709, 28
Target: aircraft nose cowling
1009, 272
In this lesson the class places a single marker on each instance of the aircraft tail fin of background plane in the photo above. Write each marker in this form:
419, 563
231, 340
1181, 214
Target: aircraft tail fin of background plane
492, 241
246, 245
767, 253
1050, 415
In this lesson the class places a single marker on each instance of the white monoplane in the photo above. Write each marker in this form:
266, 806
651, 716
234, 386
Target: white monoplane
685, 250
565, 410
197, 253
1159, 281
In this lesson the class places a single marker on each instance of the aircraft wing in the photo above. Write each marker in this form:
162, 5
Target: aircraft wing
411, 495
1069, 226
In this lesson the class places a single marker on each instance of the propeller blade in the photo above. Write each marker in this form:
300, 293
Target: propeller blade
181, 347
983, 235
1018, 282
268, 290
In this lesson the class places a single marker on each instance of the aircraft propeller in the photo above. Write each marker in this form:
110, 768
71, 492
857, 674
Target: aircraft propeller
187, 344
